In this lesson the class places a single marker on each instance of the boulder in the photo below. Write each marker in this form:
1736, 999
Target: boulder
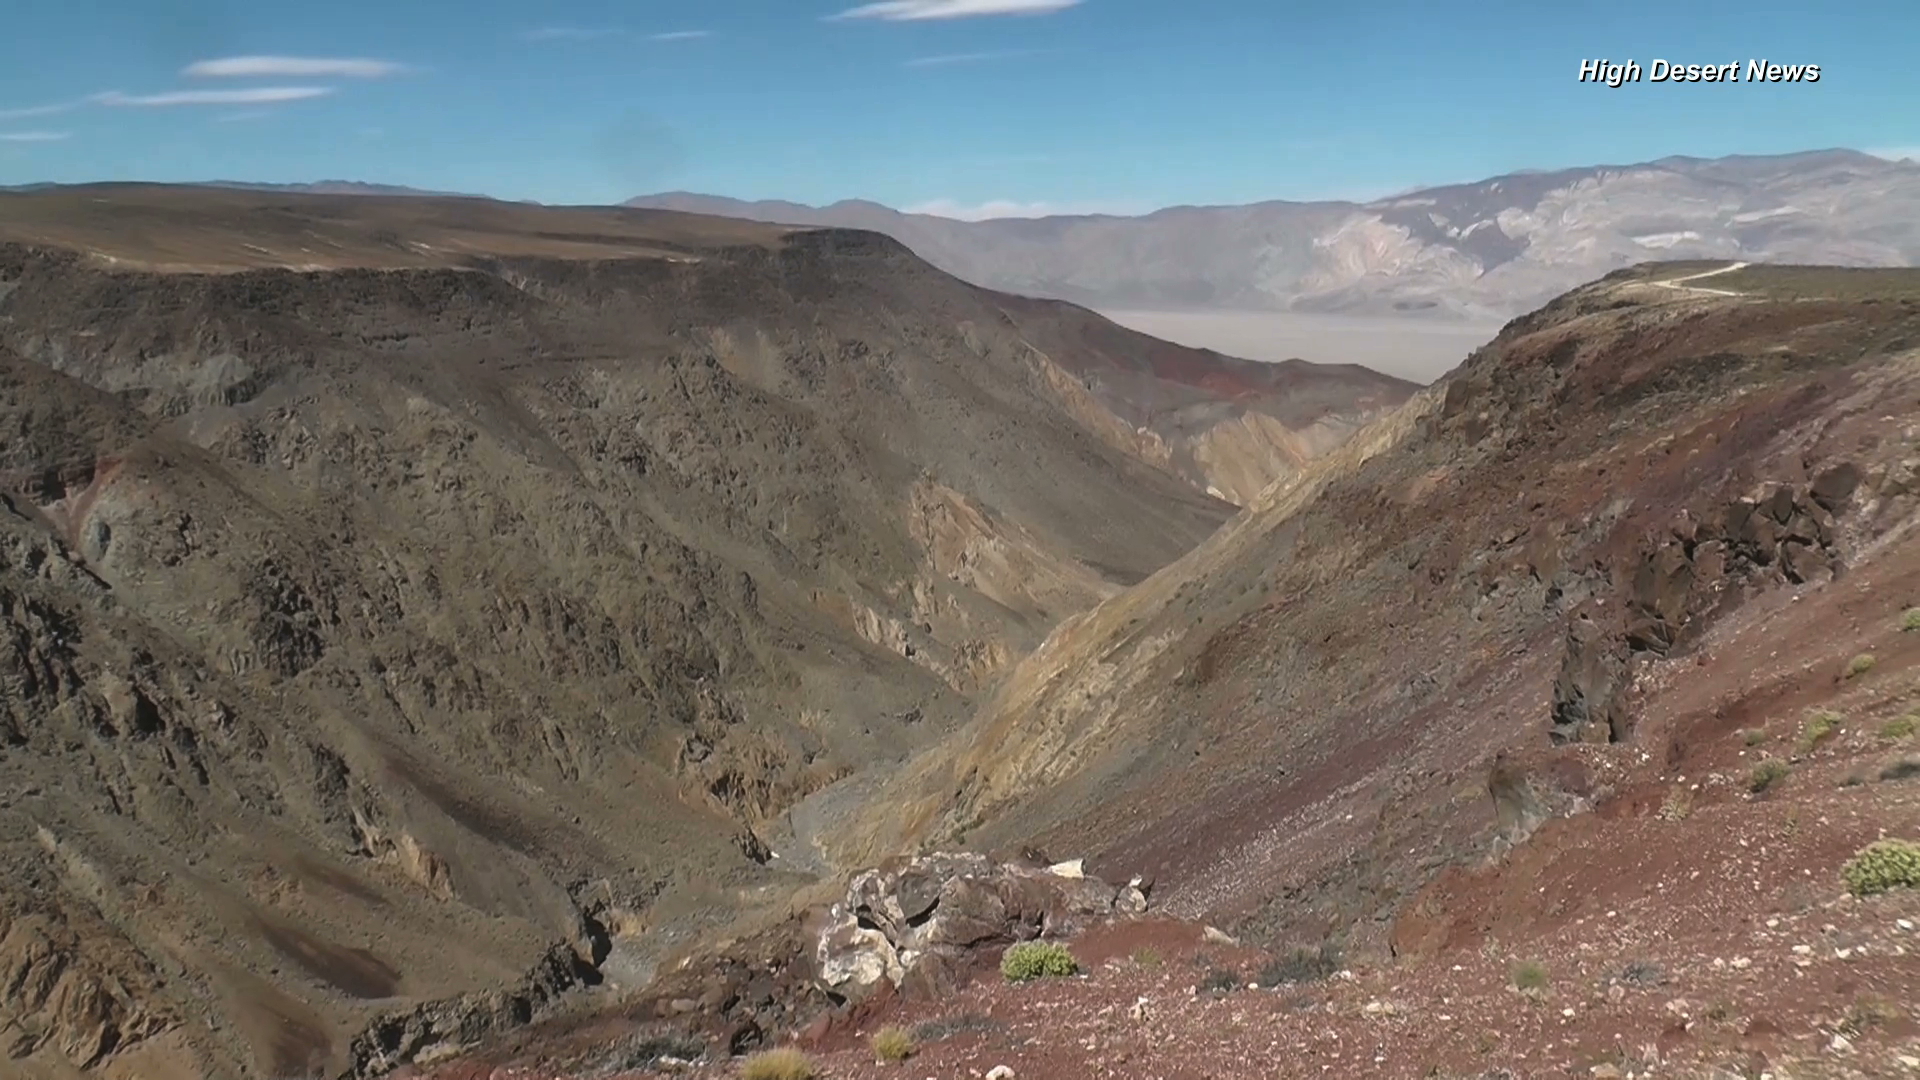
915, 923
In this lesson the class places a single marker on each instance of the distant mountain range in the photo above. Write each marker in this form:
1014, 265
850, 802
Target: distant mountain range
338, 187
318, 187
1483, 251
1490, 249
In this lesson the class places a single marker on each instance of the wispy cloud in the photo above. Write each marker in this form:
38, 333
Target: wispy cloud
291, 67
37, 110
910, 10
1008, 208
967, 58
34, 136
680, 35
259, 95
572, 33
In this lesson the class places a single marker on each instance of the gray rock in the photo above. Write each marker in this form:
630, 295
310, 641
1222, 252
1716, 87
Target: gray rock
913, 922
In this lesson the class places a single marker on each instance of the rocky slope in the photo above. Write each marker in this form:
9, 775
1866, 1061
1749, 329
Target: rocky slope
1526, 734
1498, 247
1493, 567
414, 609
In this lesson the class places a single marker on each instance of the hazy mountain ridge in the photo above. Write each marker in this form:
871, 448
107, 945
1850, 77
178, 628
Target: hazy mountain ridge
1495, 248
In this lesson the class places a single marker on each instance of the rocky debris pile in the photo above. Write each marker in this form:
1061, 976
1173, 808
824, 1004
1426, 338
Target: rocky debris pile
1533, 787
1780, 533
914, 923
439, 1029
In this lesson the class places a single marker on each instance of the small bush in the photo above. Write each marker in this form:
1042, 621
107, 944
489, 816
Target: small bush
1900, 727
1860, 665
1643, 973
1754, 736
1766, 774
1220, 981
892, 1044
1901, 770
1148, 957
1677, 805
1820, 727
1530, 975
1910, 622
1037, 960
1301, 966
782, 1064
1882, 866
1869, 1013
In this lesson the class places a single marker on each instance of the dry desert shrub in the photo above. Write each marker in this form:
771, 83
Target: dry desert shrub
892, 1045
782, 1064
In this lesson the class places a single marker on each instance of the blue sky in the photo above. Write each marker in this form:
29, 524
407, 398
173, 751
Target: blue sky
1026, 105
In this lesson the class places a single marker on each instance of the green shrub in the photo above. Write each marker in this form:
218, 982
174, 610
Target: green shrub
1037, 960
1860, 665
1820, 727
782, 1064
1883, 865
1678, 804
1148, 957
892, 1044
1910, 622
1900, 726
1754, 736
1530, 975
1766, 774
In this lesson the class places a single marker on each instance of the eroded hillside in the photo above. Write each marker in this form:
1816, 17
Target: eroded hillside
434, 601
1499, 566
1529, 733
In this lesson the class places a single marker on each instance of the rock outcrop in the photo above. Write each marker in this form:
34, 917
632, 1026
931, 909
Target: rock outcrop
915, 923
1683, 576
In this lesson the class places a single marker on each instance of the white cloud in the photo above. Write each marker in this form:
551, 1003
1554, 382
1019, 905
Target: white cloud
573, 33
680, 35
291, 67
909, 10
965, 58
33, 136
1890, 153
37, 110
261, 95
1008, 208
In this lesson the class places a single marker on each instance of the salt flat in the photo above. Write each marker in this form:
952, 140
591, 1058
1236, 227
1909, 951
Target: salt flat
1418, 349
